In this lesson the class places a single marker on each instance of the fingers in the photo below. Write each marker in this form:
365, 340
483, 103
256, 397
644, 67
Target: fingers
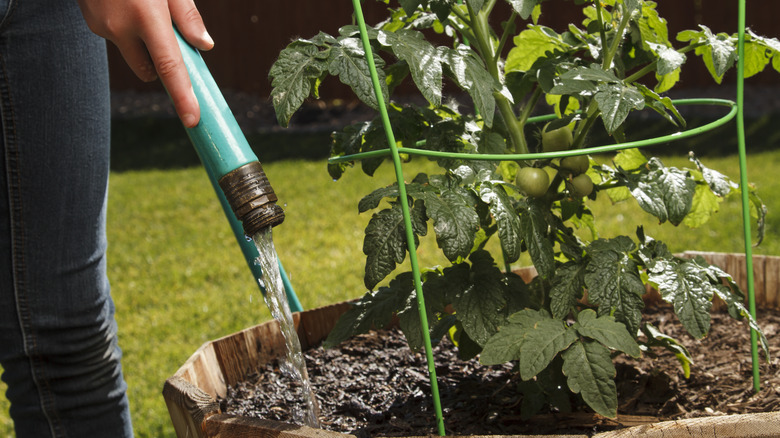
190, 23
143, 32
137, 58
165, 54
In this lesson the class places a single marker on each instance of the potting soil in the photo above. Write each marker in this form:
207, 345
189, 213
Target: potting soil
373, 385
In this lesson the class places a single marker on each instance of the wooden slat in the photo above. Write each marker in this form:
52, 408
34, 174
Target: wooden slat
763, 425
242, 353
202, 370
772, 283
316, 325
526, 273
188, 406
230, 426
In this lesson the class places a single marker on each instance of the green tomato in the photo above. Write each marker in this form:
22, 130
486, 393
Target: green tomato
559, 139
581, 186
532, 181
576, 165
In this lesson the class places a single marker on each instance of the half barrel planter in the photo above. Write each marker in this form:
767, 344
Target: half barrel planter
191, 393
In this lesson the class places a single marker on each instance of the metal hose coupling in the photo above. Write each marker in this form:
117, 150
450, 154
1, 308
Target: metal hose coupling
251, 197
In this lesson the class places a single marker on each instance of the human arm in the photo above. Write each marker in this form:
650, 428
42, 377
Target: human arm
143, 32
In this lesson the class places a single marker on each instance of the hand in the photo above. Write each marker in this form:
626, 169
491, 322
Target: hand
143, 32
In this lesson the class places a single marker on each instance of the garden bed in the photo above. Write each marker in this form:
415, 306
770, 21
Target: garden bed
373, 385
192, 393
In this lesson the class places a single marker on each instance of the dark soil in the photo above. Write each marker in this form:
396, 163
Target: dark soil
375, 386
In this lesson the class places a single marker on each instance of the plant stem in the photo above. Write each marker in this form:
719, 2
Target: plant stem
529, 106
488, 8
455, 10
584, 126
610, 55
505, 36
592, 111
484, 47
601, 27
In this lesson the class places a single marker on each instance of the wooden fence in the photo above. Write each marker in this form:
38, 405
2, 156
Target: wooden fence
250, 33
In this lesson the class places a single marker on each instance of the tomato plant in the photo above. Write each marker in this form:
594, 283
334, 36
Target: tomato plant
620, 59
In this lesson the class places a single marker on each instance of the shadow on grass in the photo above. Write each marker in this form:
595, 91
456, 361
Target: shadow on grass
162, 143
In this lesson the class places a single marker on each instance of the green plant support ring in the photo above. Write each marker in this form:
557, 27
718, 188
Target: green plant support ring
735, 109
589, 150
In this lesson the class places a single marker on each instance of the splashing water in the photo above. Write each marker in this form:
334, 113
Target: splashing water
276, 300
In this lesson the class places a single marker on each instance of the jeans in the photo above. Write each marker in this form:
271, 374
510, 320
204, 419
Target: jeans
58, 336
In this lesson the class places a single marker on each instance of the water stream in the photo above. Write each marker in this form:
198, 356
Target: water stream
294, 366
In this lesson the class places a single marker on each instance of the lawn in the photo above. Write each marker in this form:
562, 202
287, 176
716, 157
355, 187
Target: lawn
179, 279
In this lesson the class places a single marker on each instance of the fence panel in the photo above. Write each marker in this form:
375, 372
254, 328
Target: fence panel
250, 33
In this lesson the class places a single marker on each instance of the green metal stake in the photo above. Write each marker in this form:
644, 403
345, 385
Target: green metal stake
405, 210
743, 183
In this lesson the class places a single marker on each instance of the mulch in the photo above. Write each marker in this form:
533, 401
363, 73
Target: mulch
373, 385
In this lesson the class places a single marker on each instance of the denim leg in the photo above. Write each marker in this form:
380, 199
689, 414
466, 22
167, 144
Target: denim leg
58, 336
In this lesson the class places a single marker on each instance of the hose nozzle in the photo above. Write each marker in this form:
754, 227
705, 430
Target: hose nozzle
251, 197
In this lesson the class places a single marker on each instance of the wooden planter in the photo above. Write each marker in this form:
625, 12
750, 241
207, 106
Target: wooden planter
191, 394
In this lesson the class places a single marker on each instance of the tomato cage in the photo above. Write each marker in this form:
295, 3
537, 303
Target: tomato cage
734, 110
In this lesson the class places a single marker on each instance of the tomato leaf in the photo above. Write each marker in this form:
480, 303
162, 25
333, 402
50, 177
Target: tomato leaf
669, 59
385, 241
509, 225
705, 203
685, 285
615, 101
455, 222
662, 105
607, 331
529, 46
348, 61
524, 8
294, 75
655, 338
423, 58
613, 282
543, 341
375, 309
476, 5
534, 229
410, 6
666, 193
567, 286
506, 344
590, 372
473, 77
481, 304
718, 52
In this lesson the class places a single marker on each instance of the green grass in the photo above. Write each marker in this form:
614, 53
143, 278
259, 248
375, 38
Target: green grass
179, 279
